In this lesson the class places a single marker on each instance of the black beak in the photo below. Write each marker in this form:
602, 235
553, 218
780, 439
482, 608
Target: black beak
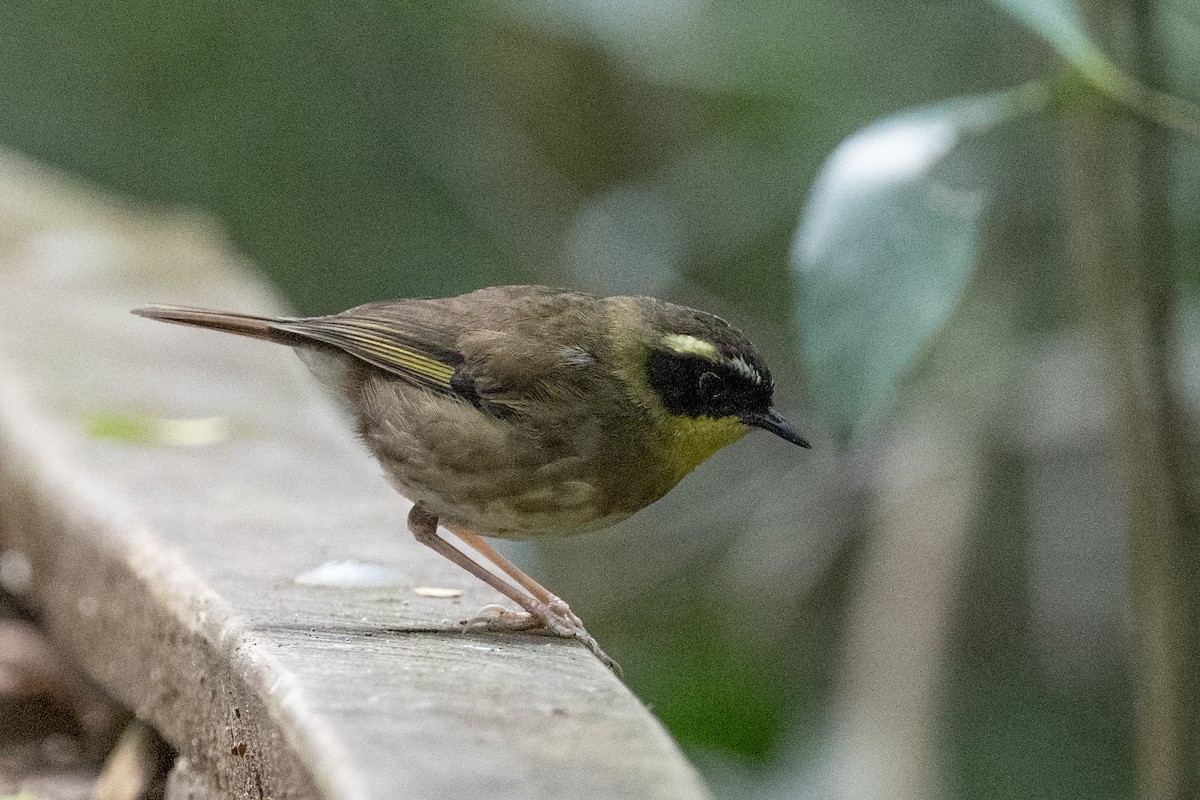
770, 420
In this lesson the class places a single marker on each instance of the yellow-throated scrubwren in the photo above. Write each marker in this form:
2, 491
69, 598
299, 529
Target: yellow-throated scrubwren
525, 411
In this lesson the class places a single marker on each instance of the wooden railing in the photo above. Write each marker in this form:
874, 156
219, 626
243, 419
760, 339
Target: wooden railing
165, 489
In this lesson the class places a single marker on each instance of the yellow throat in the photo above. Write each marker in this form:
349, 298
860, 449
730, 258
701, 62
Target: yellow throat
691, 440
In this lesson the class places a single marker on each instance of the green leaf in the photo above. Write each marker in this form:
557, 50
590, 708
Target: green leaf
885, 248
1061, 24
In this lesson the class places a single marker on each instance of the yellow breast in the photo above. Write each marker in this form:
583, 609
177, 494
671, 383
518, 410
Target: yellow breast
691, 440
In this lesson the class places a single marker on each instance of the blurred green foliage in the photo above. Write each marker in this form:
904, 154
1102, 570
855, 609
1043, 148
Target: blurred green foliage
384, 149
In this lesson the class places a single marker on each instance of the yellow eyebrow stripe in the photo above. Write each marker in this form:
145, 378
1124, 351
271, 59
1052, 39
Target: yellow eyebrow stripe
684, 344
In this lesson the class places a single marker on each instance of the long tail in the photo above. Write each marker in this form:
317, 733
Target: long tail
230, 322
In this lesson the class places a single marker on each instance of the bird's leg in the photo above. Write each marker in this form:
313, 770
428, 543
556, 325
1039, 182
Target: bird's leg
424, 527
542, 608
557, 617
480, 545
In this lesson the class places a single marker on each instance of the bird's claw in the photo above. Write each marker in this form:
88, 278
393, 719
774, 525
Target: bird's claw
552, 618
495, 617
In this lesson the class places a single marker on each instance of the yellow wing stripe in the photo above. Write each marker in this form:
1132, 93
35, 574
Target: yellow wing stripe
392, 353
424, 363
376, 342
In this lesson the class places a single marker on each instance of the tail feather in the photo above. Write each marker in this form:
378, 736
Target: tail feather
251, 325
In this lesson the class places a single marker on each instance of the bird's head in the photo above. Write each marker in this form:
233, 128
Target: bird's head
706, 381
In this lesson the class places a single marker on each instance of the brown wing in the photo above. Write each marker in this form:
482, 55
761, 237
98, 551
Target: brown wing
498, 348
408, 345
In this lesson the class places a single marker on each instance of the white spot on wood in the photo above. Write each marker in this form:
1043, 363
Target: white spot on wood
439, 592
350, 574
193, 432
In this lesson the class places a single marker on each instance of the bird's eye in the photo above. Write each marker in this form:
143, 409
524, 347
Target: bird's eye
712, 386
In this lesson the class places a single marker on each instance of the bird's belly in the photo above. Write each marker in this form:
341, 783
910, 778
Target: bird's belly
530, 510
507, 519
492, 477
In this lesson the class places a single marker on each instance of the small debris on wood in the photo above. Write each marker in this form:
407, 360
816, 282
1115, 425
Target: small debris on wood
437, 591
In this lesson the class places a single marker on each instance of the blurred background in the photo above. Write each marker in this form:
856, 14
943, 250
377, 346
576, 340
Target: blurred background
964, 234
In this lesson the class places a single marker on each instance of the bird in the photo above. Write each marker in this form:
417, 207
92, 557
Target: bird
520, 412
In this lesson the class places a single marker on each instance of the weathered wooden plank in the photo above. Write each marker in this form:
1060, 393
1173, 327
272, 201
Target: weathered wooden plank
168, 572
